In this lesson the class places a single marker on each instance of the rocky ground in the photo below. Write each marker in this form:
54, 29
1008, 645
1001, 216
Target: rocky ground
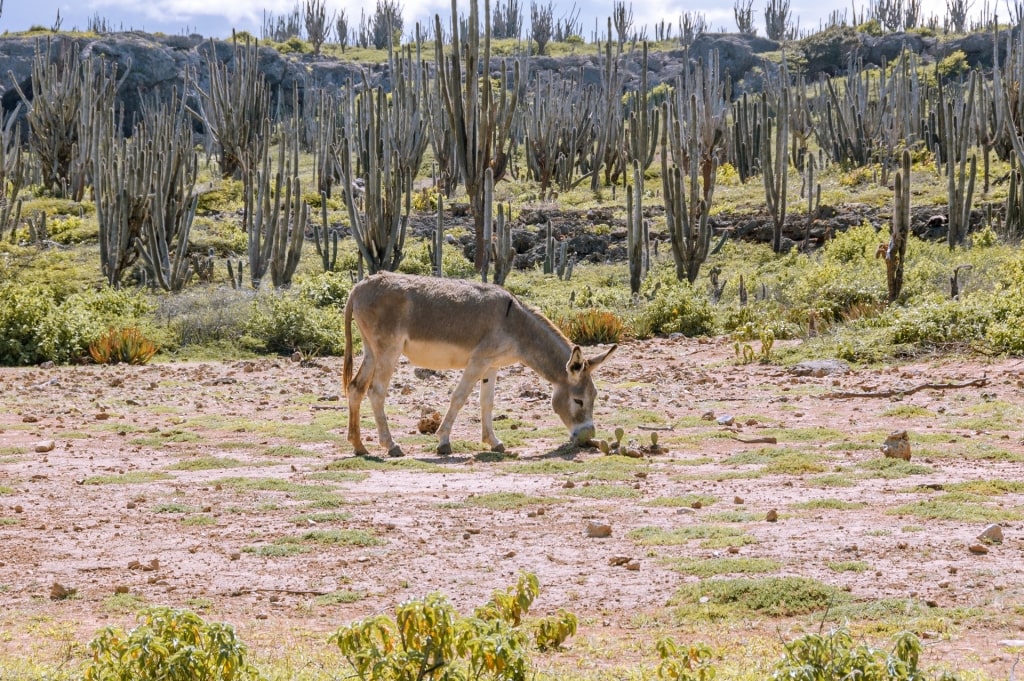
229, 488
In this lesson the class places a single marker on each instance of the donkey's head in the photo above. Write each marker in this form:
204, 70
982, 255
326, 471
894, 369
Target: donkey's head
573, 398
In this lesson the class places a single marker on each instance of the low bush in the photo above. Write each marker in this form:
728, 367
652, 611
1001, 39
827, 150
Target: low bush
169, 644
285, 322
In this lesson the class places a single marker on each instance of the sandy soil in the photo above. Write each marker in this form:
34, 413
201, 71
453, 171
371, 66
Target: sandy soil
190, 535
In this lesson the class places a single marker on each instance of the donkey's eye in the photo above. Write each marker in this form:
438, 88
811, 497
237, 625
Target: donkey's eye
578, 402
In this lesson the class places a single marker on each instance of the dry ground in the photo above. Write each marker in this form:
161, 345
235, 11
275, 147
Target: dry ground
144, 492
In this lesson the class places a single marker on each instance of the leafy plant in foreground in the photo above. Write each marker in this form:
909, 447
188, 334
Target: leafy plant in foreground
817, 657
169, 645
428, 639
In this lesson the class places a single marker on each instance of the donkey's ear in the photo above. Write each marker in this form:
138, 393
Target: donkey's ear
594, 362
576, 363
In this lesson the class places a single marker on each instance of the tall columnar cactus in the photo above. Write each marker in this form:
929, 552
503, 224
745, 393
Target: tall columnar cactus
635, 231
326, 240
960, 181
436, 246
775, 162
641, 136
380, 222
234, 108
480, 119
69, 98
12, 172
559, 121
895, 253
606, 153
745, 141
687, 197
497, 235
163, 243
275, 214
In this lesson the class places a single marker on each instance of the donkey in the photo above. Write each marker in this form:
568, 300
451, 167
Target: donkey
453, 324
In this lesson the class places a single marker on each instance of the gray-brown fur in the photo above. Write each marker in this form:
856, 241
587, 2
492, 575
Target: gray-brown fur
453, 324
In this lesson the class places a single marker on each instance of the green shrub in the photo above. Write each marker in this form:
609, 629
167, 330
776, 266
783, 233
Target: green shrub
284, 321
427, 638
677, 307
326, 289
835, 656
37, 324
684, 663
204, 315
169, 645
952, 65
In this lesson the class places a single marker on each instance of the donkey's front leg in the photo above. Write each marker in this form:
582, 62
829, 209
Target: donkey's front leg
486, 410
470, 376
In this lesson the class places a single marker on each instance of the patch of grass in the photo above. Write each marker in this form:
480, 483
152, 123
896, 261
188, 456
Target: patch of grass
711, 536
130, 478
684, 501
771, 596
276, 550
829, 504
831, 480
205, 463
286, 452
987, 487
338, 476
712, 567
123, 604
4, 489
603, 492
339, 598
316, 518
944, 508
164, 437
848, 566
342, 537
892, 468
907, 411
9, 521
544, 467
373, 463
199, 520
613, 468
795, 464
733, 517
175, 507
507, 501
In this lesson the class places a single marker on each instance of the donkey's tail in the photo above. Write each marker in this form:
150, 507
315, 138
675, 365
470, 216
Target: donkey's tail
347, 373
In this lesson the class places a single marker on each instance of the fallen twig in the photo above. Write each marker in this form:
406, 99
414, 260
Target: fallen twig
976, 383
642, 427
757, 440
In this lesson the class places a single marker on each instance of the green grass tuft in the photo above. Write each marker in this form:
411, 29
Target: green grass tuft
771, 596
712, 567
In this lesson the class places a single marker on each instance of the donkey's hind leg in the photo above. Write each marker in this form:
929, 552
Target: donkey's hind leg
357, 388
384, 369
486, 411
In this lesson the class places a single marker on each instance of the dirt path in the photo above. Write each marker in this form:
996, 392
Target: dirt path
228, 488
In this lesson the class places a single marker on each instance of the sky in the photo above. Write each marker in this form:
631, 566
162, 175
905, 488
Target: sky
216, 18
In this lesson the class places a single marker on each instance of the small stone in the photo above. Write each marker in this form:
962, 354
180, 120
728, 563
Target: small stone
472, 530
897, 445
102, 416
131, 504
616, 561
978, 549
429, 423
121, 589
772, 516
30, 419
569, 484
697, 504
59, 592
993, 534
737, 500
598, 530
708, 416
726, 420
261, 615
633, 565
509, 554
234, 555
45, 446
733, 550
296, 356
684, 510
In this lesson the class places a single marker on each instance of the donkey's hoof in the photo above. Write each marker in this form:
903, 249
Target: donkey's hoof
499, 448
444, 449
395, 451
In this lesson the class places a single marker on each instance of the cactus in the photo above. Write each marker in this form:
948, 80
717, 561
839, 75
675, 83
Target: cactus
775, 162
642, 131
895, 253
235, 273
956, 140
480, 122
635, 240
235, 107
326, 241
275, 214
436, 247
560, 120
502, 252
